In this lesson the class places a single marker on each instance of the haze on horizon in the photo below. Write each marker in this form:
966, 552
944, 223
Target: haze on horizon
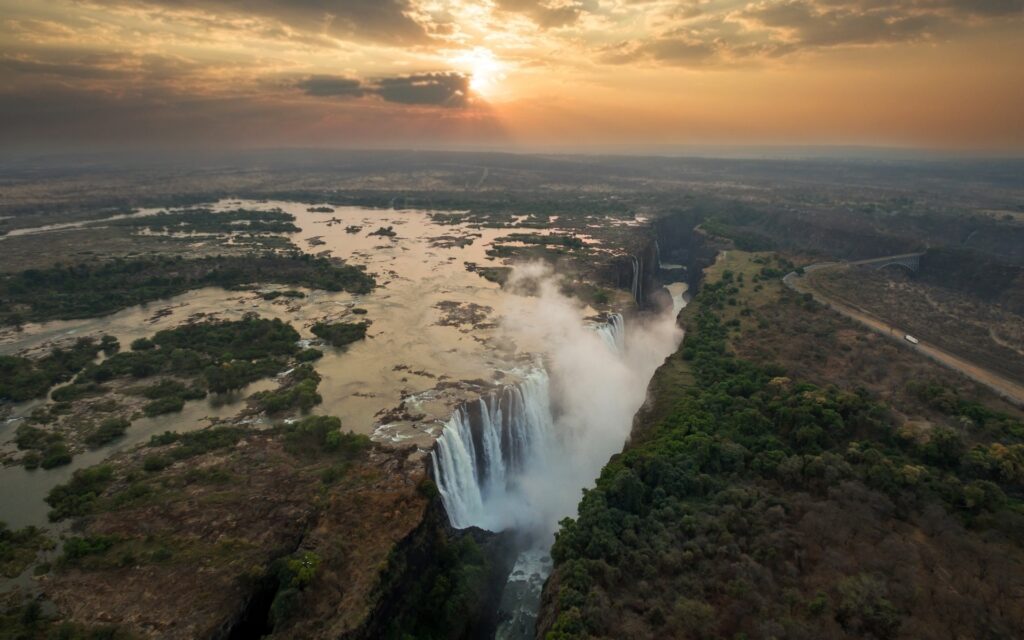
515, 74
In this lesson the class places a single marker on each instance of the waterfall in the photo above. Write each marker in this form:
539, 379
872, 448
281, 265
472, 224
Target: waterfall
488, 445
638, 285
613, 332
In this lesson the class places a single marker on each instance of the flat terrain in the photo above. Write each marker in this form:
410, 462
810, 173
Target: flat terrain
996, 370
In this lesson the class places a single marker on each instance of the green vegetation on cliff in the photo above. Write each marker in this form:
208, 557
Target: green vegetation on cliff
750, 505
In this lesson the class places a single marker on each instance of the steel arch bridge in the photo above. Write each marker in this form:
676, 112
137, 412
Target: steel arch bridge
910, 261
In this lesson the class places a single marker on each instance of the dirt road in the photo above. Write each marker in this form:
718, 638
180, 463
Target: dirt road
1011, 390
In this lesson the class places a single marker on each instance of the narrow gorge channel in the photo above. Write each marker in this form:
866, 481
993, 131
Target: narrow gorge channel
518, 459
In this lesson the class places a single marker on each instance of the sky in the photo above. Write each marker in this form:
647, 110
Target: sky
511, 74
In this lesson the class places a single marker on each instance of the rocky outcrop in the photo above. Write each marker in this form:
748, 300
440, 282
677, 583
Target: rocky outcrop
198, 553
680, 242
429, 557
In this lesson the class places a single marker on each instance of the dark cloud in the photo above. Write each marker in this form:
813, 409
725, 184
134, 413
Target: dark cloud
823, 25
448, 89
334, 86
709, 33
44, 118
377, 20
679, 51
75, 70
545, 14
71, 65
441, 89
989, 8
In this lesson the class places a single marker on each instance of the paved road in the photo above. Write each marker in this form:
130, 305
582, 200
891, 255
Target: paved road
1008, 389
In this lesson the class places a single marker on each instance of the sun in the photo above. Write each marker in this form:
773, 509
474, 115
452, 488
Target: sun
485, 70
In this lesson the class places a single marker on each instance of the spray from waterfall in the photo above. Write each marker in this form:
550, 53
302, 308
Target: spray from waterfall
520, 457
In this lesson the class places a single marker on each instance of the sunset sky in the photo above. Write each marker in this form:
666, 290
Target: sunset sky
518, 74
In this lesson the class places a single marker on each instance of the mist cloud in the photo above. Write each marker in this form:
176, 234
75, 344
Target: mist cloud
595, 392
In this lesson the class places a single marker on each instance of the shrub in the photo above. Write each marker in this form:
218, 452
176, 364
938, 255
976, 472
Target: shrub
318, 435
194, 443
77, 496
154, 463
171, 404
142, 344
341, 333
109, 430
299, 394
26, 378
309, 355
55, 455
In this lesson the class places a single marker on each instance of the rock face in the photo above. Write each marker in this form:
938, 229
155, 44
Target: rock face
196, 559
681, 243
207, 549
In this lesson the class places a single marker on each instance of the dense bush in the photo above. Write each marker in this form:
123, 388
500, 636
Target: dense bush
318, 435
25, 378
78, 495
109, 430
209, 221
194, 443
171, 404
226, 355
299, 393
309, 355
76, 548
89, 290
341, 333
698, 522
294, 573
46, 448
444, 597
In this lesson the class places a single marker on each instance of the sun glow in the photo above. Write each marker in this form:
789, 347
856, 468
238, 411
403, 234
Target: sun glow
485, 70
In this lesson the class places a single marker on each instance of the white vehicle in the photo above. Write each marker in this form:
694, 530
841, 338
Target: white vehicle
911, 339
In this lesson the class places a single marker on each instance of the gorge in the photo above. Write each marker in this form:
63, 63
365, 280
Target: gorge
518, 459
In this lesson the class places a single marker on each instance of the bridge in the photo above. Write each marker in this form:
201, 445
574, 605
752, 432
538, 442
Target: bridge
910, 261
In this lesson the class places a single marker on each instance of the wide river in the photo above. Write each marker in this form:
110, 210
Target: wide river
435, 338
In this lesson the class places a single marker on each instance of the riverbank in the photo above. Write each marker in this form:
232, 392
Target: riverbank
761, 450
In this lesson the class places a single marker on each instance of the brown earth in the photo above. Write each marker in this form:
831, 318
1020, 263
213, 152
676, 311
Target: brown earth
192, 554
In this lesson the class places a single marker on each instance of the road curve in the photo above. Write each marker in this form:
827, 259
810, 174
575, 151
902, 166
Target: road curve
1006, 388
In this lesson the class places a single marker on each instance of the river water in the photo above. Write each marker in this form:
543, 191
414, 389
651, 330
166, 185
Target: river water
440, 336
433, 343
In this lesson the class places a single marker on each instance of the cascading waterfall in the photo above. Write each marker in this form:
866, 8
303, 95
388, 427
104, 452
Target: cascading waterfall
488, 444
613, 332
519, 458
